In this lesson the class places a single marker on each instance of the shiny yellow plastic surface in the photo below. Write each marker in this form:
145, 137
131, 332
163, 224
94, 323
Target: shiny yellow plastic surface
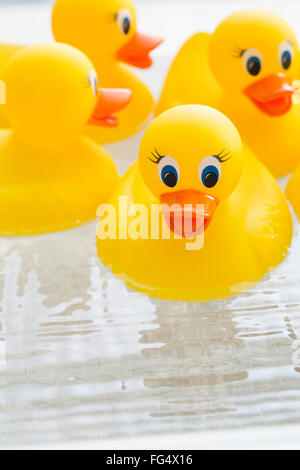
249, 232
51, 177
6, 53
96, 28
246, 69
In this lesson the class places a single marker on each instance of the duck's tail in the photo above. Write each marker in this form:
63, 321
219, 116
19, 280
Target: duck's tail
190, 80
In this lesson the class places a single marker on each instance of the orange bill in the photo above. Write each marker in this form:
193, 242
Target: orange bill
137, 51
272, 94
188, 213
110, 102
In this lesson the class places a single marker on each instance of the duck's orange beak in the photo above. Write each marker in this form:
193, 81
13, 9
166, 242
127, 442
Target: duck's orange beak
188, 213
110, 102
272, 94
136, 51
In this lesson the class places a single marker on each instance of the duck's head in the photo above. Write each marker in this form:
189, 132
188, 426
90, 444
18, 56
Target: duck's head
52, 92
103, 28
191, 155
255, 53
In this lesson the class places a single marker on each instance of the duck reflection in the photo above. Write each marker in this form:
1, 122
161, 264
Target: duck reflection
199, 346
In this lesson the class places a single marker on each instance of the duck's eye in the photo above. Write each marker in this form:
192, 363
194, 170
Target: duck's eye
253, 61
286, 54
253, 65
169, 176
168, 170
210, 172
124, 20
286, 60
93, 81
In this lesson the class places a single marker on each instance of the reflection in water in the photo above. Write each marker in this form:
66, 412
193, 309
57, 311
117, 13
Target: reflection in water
81, 356
200, 342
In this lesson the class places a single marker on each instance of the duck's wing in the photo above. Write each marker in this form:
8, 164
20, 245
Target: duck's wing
268, 221
190, 80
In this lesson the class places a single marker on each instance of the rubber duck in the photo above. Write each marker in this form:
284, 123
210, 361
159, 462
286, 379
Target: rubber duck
228, 221
52, 177
106, 32
246, 69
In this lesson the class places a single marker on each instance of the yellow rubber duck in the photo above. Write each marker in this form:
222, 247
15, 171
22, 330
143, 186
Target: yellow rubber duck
51, 177
106, 32
246, 69
191, 158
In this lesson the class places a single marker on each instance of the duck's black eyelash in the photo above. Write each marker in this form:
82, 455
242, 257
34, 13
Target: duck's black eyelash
86, 83
223, 156
237, 52
112, 17
157, 157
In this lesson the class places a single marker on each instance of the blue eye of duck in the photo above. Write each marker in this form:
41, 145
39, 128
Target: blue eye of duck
210, 176
210, 170
286, 60
253, 65
124, 19
169, 176
126, 25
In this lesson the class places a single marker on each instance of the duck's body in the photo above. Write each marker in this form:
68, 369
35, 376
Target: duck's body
7, 51
106, 32
56, 192
215, 70
51, 176
248, 236
199, 87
